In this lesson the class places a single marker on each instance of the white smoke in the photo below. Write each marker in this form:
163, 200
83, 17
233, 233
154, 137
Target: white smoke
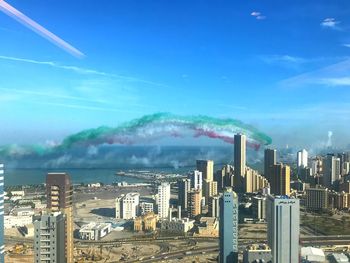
329, 142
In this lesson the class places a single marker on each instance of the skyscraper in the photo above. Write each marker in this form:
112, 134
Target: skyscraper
302, 159
194, 203
196, 178
206, 167
228, 227
184, 186
280, 180
2, 244
163, 200
331, 170
269, 162
210, 189
59, 198
49, 239
283, 228
239, 160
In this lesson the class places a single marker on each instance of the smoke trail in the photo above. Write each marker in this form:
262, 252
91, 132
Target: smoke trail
26, 21
150, 128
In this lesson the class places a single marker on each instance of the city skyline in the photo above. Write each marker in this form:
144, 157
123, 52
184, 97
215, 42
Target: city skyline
298, 72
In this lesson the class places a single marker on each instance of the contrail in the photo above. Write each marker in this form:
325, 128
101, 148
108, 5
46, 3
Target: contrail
26, 21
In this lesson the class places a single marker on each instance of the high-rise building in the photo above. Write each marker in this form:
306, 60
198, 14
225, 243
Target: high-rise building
317, 166
210, 189
316, 199
194, 203
163, 200
302, 159
184, 186
283, 217
206, 167
2, 244
259, 207
228, 227
331, 170
59, 199
280, 180
253, 181
219, 177
269, 162
239, 161
213, 206
127, 206
49, 238
196, 178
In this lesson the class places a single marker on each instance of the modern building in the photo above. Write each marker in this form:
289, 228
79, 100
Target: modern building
302, 159
316, 199
213, 206
206, 167
60, 198
163, 200
317, 166
208, 227
95, 231
146, 207
228, 227
257, 253
11, 221
127, 206
312, 255
176, 225
269, 162
196, 178
2, 243
147, 222
280, 180
283, 222
239, 161
253, 181
194, 203
259, 207
210, 188
49, 239
184, 186
331, 170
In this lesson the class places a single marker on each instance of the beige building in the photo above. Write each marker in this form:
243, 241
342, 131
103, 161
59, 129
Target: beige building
280, 180
253, 181
60, 199
338, 201
206, 167
146, 222
208, 227
316, 198
210, 189
194, 203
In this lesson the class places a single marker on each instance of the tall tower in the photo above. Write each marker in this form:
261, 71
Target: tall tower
207, 169
196, 178
228, 227
269, 162
302, 159
283, 217
184, 186
2, 244
163, 200
194, 203
331, 170
239, 160
59, 199
49, 238
280, 180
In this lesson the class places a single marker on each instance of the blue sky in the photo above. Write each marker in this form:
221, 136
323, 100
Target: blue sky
282, 66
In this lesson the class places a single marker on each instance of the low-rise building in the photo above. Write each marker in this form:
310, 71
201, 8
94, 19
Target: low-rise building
338, 258
23, 211
312, 254
94, 231
177, 225
11, 221
208, 227
257, 253
316, 199
147, 222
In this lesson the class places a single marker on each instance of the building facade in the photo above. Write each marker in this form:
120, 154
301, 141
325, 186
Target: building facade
269, 162
239, 161
280, 180
302, 159
331, 170
163, 200
184, 186
316, 199
196, 178
206, 167
283, 222
127, 206
228, 227
194, 203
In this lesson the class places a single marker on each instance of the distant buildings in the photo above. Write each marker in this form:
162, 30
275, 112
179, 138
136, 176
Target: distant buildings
213, 206
257, 253
259, 207
228, 227
269, 162
194, 203
206, 167
59, 198
2, 244
283, 222
49, 238
177, 225
146, 207
208, 227
184, 186
239, 160
253, 181
302, 159
127, 206
316, 199
147, 222
331, 170
94, 231
163, 200
196, 178
280, 180
209, 189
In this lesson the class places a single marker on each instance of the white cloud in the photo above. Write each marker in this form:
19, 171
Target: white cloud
330, 23
344, 81
255, 13
283, 59
346, 45
258, 15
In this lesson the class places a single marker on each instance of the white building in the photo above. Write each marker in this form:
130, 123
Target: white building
126, 206
11, 221
146, 207
94, 231
312, 254
283, 217
196, 178
17, 193
177, 225
302, 158
259, 207
331, 170
23, 211
163, 200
